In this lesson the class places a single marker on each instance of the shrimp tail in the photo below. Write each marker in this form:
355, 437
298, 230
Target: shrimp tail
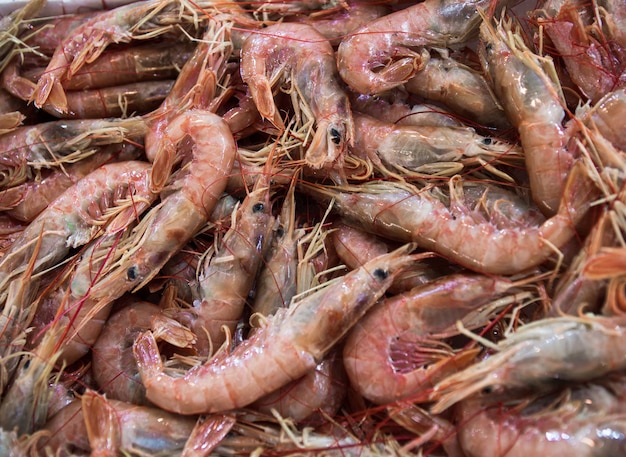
261, 91
100, 421
148, 356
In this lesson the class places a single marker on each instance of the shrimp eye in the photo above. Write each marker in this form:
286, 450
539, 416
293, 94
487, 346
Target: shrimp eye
258, 207
280, 232
335, 135
131, 273
380, 273
487, 141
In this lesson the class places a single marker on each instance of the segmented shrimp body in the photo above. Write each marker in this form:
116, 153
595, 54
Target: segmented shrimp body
299, 52
533, 103
410, 147
457, 229
385, 53
290, 345
566, 348
587, 420
87, 42
51, 144
228, 275
376, 362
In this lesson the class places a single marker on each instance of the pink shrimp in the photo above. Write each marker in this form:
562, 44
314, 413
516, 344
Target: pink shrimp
537, 354
508, 239
319, 392
291, 344
585, 420
114, 366
227, 277
385, 53
532, 101
87, 42
166, 228
411, 325
299, 52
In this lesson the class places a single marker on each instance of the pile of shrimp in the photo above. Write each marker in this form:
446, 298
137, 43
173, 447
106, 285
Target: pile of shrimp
313, 227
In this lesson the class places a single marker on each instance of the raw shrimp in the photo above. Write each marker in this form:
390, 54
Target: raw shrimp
164, 230
11, 26
71, 220
120, 67
319, 392
227, 277
291, 344
533, 103
336, 23
585, 420
115, 427
66, 432
299, 52
591, 62
412, 148
52, 144
114, 367
507, 239
86, 43
26, 201
386, 52
462, 89
397, 351
540, 353
354, 246
277, 282
607, 117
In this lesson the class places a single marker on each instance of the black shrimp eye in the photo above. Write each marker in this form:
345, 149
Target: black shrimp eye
488, 47
380, 274
131, 273
335, 136
487, 141
280, 232
258, 207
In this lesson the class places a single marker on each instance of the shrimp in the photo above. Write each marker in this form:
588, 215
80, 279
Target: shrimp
115, 427
66, 432
411, 325
227, 277
114, 367
117, 101
299, 52
585, 420
530, 94
537, 354
606, 117
52, 144
509, 238
277, 282
164, 230
592, 64
11, 26
416, 148
336, 23
462, 89
86, 43
319, 392
290, 345
382, 54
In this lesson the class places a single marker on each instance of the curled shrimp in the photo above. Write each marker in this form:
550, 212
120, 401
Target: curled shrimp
290, 345
299, 52
537, 354
386, 52
507, 239
113, 364
530, 95
409, 325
